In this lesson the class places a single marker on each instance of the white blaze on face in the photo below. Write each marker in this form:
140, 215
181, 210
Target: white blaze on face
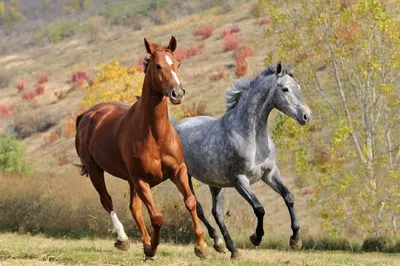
170, 62
119, 227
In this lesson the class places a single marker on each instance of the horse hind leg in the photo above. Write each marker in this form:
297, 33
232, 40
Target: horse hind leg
218, 213
218, 244
96, 175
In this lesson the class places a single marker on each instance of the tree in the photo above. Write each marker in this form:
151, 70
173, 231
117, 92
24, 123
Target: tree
347, 54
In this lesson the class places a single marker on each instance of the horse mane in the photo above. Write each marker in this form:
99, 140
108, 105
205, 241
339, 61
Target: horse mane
237, 89
156, 47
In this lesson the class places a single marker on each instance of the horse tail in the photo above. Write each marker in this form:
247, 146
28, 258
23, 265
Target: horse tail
82, 169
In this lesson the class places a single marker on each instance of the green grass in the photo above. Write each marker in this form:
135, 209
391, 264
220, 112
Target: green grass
37, 250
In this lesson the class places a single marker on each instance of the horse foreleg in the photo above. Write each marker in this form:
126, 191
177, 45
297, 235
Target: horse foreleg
274, 180
181, 182
218, 244
242, 185
156, 218
218, 213
136, 209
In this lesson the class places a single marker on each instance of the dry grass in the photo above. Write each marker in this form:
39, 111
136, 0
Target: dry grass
38, 250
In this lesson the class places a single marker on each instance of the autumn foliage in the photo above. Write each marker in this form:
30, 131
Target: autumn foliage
204, 32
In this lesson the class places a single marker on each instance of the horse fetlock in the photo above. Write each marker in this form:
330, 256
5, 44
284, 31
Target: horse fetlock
122, 245
255, 239
219, 246
259, 211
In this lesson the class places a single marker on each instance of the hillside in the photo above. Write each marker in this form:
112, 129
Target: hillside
54, 156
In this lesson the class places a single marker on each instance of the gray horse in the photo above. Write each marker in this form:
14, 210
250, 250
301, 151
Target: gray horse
236, 150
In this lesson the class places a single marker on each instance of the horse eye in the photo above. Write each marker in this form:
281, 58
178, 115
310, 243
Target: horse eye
285, 89
158, 66
179, 65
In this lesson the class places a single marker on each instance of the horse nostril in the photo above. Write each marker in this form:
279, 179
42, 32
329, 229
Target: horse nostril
173, 93
305, 117
183, 91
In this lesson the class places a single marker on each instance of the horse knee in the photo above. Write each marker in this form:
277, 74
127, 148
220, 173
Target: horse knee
157, 220
191, 203
259, 211
289, 199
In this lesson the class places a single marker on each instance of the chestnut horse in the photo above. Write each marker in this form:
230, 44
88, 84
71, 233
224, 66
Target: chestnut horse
138, 144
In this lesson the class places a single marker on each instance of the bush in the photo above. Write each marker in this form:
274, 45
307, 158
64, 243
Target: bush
5, 110
78, 79
231, 42
378, 244
12, 155
235, 28
217, 75
204, 32
57, 31
180, 54
114, 82
195, 50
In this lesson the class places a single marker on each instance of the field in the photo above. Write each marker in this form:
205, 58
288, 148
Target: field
37, 250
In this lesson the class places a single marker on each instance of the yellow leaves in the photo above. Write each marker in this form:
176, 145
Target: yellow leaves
113, 82
2, 8
341, 133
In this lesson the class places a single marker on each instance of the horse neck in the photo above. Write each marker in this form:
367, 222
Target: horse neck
250, 116
153, 109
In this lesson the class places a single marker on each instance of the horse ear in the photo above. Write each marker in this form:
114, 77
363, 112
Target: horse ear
172, 44
148, 46
279, 68
291, 71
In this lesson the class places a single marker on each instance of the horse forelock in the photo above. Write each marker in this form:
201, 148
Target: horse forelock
158, 48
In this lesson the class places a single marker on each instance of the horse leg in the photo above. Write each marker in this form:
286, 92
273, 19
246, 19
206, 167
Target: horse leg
218, 213
242, 185
218, 244
274, 180
181, 181
96, 175
156, 218
136, 209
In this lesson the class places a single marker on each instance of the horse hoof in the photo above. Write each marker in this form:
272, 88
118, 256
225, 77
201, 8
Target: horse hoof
122, 245
201, 252
295, 242
255, 239
219, 246
150, 258
149, 253
236, 255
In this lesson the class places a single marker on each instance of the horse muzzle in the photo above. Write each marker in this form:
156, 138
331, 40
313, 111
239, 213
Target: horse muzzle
176, 96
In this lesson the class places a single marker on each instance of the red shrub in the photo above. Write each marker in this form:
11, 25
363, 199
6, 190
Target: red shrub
243, 53
51, 138
235, 28
42, 78
21, 85
231, 42
225, 33
303, 56
204, 32
5, 111
217, 75
241, 68
180, 54
308, 191
78, 78
39, 90
264, 22
195, 50
63, 159
28, 96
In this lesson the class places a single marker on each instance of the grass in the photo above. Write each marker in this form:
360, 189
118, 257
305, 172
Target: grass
38, 250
